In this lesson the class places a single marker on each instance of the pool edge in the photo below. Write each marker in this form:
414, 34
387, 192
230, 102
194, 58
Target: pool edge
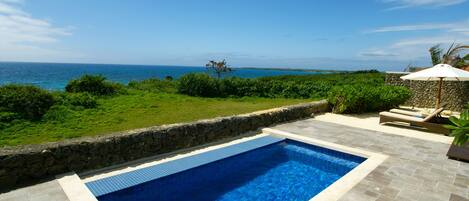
74, 188
340, 187
333, 192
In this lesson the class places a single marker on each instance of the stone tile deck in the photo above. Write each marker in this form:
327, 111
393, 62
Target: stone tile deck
415, 170
47, 191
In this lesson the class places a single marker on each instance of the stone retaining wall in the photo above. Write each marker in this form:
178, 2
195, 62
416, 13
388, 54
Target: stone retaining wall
29, 163
454, 93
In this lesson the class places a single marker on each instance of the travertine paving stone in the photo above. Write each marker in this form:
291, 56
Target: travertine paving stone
47, 191
415, 170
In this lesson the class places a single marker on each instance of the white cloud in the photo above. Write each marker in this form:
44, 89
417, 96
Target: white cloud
8, 9
23, 36
430, 40
418, 27
416, 48
449, 27
400, 4
412, 49
378, 53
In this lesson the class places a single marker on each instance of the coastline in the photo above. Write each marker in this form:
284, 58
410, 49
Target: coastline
54, 76
179, 66
294, 69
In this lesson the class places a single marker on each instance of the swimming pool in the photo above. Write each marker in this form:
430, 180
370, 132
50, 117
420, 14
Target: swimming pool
268, 168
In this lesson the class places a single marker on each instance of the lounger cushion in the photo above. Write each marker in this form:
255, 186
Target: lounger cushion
408, 113
401, 116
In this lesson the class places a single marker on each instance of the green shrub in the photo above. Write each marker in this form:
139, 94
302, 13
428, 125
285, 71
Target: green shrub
363, 98
29, 102
8, 116
75, 100
57, 113
239, 87
85, 100
60, 97
204, 85
333, 79
288, 86
154, 85
459, 128
366, 71
198, 84
392, 96
94, 84
350, 99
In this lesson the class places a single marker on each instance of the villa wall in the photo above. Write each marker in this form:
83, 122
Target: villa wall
33, 162
454, 93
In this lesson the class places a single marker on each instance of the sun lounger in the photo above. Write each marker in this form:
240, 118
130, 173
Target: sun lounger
386, 117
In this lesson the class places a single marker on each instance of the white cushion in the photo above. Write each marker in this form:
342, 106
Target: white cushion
401, 116
408, 113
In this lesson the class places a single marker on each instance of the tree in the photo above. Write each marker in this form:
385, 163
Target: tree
435, 53
451, 56
459, 62
168, 77
218, 67
466, 58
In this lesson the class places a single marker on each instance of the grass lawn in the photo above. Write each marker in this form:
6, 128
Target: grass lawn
136, 110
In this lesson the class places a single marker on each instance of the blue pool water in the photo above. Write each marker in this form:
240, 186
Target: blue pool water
284, 170
55, 76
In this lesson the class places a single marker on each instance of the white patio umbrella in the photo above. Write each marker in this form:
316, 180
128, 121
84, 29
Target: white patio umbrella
440, 73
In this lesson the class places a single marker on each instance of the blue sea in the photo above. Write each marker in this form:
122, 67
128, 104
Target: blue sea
54, 76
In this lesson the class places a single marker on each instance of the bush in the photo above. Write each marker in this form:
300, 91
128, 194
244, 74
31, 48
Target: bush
85, 100
57, 113
94, 84
8, 116
239, 87
365, 71
459, 128
168, 77
154, 85
392, 96
197, 84
29, 102
288, 86
362, 98
333, 79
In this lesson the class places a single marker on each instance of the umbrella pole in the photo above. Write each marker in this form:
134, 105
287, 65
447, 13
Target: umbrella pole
438, 97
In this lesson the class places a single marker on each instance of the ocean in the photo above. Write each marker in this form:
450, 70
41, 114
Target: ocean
54, 76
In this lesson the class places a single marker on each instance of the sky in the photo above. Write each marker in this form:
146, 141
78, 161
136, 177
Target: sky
319, 34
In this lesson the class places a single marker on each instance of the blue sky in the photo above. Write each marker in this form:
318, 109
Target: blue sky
383, 34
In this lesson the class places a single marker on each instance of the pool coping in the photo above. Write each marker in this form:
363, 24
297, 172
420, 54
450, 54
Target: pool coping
74, 188
332, 192
337, 189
